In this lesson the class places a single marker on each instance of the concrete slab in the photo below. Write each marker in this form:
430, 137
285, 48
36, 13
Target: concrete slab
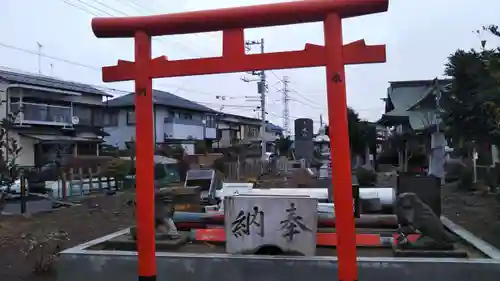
83, 263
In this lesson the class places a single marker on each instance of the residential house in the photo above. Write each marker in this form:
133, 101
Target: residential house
176, 120
233, 129
273, 132
53, 116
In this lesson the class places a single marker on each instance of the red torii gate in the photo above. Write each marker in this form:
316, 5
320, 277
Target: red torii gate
232, 21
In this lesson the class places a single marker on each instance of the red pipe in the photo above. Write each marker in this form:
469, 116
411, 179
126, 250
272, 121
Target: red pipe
322, 239
328, 239
233, 18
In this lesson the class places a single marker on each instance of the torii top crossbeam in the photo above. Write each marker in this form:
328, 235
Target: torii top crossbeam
233, 18
334, 55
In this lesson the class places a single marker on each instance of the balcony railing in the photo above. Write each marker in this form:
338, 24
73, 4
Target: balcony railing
43, 113
192, 122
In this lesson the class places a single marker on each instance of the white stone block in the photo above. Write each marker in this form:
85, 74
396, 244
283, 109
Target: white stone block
287, 222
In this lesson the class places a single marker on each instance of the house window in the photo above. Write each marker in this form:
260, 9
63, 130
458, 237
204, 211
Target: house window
87, 149
131, 117
173, 114
187, 116
110, 119
210, 121
84, 114
253, 132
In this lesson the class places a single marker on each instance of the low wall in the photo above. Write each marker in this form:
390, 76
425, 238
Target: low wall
79, 264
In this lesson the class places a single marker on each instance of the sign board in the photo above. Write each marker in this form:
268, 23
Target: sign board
287, 222
207, 179
199, 174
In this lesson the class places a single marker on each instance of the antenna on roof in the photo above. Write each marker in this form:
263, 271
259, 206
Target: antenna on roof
39, 57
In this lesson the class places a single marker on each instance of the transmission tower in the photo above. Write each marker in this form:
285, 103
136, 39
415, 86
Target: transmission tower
286, 109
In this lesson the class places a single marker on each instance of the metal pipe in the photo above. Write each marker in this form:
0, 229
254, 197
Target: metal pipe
385, 195
324, 220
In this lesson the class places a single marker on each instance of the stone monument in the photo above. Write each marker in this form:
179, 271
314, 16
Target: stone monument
304, 145
271, 224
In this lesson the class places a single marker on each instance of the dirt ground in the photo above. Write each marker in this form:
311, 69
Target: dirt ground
98, 216
478, 213
95, 217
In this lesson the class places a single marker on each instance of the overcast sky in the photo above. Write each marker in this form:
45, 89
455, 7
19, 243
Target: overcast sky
419, 35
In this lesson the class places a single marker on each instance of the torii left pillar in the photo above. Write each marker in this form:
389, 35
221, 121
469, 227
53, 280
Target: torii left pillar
145, 156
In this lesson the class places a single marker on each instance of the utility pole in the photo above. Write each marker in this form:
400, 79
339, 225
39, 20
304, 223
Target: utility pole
261, 89
39, 57
286, 109
321, 120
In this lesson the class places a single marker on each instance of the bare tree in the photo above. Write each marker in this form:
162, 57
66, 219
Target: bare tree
9, 152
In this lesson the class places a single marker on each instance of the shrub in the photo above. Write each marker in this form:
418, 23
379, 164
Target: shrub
200, 147
366, 177
453, 169
466, 178
42, 249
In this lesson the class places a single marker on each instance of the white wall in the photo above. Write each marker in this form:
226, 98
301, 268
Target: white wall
120, 134
172, 129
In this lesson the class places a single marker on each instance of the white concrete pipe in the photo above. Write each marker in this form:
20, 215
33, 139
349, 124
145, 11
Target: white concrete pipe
378, 197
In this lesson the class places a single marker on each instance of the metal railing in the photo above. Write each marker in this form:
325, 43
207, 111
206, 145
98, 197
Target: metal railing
42, 112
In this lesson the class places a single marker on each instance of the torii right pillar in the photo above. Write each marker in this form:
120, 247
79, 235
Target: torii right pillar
339, 147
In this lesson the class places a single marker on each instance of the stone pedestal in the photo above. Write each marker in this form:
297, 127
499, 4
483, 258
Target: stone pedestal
274, 224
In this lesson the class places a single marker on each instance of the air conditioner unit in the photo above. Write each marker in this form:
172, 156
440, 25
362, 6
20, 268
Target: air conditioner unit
75, 120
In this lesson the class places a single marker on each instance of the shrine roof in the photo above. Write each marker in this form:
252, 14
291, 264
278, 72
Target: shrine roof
405, 98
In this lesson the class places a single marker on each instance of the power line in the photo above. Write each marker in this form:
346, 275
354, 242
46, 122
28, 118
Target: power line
93, 7
94, 68
50, 79
47, 56
315, 104
107, 6
134, 7
293, 117
80, 8
158, 40
114, 90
